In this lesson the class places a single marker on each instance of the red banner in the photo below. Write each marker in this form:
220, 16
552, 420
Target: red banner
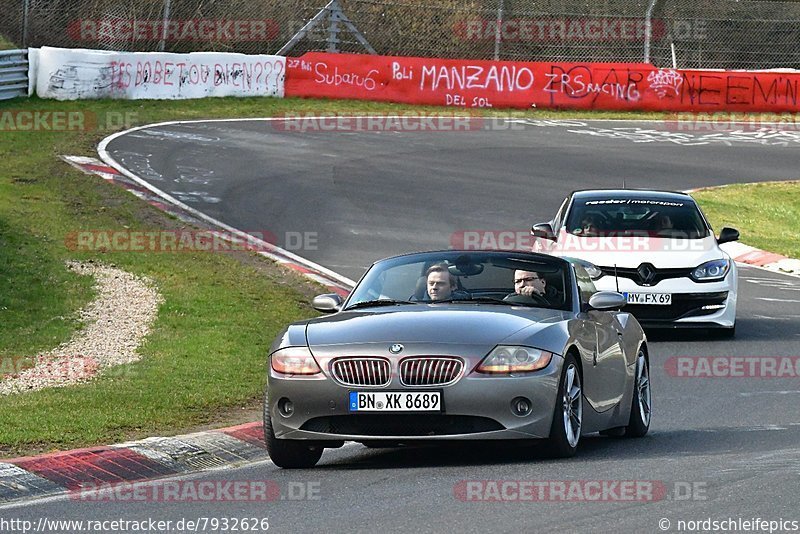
469, 84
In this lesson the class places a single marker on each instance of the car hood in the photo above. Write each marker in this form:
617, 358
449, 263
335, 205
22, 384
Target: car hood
428, 323
630, 252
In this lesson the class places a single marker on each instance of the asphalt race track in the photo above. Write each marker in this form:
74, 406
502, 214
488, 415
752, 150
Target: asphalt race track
719, 448
368, 195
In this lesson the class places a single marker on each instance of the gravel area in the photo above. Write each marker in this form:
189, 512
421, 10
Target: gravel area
114, 325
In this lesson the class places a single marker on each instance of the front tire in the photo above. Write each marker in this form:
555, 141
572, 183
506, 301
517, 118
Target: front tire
565, 431
642, 402
288, 453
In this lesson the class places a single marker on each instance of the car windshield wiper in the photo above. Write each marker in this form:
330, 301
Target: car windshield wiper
487, 300
378, 302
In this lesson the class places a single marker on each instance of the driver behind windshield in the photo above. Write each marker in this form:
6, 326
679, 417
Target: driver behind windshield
528, 283
530, 286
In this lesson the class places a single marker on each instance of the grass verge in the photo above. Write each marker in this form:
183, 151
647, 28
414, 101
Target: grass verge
204, 360
766, 214
5, 44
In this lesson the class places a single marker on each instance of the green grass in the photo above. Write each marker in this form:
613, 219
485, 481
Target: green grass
205, 357
147, 111
5, 44
39, 296
767, 215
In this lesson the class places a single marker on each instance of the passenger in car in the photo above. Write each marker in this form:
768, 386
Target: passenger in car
440, 282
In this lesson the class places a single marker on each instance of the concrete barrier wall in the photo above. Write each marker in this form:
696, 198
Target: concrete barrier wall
525, 85
69, 74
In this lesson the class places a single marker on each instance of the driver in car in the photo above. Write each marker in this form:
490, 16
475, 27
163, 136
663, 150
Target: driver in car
530, 286
528, 283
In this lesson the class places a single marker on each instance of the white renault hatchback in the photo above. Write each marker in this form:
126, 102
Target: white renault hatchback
656, 247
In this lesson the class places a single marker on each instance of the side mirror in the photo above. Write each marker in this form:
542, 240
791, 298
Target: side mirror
543, 230
328, 303
727, 235
607, 300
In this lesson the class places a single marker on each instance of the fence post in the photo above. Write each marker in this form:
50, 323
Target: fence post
497, 32
25, 23
333, 12
333, 31
648, 29
162, 43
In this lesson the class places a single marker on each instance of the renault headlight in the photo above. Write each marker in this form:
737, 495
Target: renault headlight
711, 271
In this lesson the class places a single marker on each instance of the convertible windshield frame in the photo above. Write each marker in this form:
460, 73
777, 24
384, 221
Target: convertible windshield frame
467, 266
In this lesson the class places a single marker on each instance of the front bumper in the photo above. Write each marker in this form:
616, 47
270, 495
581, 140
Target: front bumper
693, 304
477, 407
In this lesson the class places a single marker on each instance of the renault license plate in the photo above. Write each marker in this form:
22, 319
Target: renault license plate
657, 299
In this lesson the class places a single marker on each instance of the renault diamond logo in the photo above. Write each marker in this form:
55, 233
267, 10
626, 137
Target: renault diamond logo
396, 348
647, 273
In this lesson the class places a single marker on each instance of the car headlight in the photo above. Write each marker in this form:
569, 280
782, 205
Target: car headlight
506, 359
294, 361
711, 271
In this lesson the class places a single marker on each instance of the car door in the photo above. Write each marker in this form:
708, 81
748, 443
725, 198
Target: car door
604, 376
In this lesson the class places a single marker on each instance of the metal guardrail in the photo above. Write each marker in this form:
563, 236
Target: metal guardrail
13, 73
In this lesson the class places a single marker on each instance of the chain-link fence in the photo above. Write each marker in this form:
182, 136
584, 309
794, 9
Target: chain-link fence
751, 34
731, 34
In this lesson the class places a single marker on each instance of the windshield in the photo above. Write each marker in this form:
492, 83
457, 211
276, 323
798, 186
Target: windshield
518, 279
632, 216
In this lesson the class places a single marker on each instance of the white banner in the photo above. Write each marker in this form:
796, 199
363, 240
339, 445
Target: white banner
33, 64
71, 74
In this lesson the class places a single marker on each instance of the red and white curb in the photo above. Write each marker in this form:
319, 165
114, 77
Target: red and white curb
334, 282
746, 254
136, 461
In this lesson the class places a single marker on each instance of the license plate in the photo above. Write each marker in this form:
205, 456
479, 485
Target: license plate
395, 401
657, 299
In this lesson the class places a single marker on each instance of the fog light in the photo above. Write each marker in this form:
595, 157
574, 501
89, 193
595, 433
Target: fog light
285, 407
521, 406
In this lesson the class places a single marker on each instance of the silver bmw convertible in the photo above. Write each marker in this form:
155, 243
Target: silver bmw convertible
459, 345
